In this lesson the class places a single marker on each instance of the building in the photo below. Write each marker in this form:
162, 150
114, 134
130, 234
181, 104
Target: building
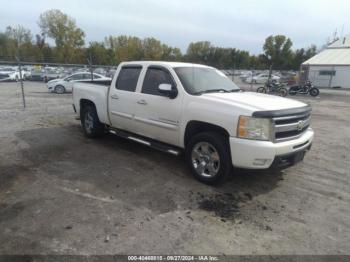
330, 67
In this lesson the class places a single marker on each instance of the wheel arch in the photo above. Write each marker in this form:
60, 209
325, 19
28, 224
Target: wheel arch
83, 103
194, 127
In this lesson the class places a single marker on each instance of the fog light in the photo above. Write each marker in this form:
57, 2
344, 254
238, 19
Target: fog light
260, 161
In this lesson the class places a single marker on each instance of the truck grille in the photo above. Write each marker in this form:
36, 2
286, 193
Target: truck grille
290, 127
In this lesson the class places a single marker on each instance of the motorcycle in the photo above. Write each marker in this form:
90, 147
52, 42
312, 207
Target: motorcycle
305, 89
273, 87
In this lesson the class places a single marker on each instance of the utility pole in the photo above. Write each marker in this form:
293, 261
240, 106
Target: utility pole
21, 80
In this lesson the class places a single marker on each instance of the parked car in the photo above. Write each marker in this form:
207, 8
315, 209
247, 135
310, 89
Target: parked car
64, 85
10, 74
162, 105
261, 78
26, 72
51, 73
36, 73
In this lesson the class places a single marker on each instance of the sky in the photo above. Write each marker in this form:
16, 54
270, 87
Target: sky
226, 23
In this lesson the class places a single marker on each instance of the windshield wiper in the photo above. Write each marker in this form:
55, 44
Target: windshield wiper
235, 90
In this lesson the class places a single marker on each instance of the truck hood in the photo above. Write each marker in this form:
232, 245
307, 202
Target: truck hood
254, 101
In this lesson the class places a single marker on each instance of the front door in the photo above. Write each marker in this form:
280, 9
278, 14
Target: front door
122, 98
157, 116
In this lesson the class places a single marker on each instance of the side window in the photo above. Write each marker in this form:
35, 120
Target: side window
87, 76
154, 77
76, 77
96, 76
127, 78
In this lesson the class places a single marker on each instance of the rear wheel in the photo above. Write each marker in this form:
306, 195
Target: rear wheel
293, 90
208, 157
261, 90
91, 124
314, 91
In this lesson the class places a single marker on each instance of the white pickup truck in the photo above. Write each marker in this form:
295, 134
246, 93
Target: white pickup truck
196, 109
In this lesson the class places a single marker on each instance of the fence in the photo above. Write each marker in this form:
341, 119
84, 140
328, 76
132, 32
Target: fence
22, 71
245, 79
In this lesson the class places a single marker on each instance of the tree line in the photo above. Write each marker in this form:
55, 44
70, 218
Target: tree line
70, 47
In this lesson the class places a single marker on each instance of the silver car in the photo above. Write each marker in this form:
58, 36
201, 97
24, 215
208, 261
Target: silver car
64, 85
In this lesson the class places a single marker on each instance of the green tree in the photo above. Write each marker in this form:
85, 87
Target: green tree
18, 41
99, 53
199, 52
152, 49
124, 48
277, 51
63, 29
301, 55
170, 53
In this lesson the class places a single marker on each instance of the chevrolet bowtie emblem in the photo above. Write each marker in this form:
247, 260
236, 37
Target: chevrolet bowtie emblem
300, 125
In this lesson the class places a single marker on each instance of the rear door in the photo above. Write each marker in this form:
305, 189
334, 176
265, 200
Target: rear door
156, 115
122, 97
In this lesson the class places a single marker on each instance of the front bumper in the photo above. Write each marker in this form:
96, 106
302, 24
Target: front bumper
253, 154
50, 88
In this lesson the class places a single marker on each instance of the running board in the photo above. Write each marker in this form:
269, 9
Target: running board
148, 142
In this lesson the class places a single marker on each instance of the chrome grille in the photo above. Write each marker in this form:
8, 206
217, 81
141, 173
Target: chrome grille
290, 127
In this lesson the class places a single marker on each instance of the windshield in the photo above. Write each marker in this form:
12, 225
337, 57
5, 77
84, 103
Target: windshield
197, 80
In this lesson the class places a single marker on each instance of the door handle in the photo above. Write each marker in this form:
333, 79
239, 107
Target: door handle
142, 102
114, 96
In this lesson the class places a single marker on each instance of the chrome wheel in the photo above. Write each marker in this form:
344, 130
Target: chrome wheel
88, 122
205, 159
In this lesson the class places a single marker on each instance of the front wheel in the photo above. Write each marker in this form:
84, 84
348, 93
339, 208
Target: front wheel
282, 92
208, 156
261, 90
59, 89
314, 91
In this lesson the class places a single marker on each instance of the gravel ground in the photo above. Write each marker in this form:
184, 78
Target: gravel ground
61, 193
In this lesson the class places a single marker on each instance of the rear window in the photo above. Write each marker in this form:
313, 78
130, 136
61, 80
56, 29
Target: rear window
127, 78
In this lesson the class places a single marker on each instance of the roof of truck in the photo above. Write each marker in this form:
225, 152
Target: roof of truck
164, 63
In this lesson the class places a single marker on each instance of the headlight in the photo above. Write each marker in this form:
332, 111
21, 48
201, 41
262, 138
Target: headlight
254, 128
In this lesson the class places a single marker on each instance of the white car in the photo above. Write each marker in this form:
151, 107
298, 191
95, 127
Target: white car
261, 78
64, 85
181, 107
10, 74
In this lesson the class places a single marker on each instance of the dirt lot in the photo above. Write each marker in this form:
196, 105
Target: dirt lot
61, 193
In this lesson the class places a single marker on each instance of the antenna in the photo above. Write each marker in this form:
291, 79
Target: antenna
342, 31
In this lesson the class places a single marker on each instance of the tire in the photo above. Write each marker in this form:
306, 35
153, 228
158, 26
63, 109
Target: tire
59, 89
293, 90
89, 121
282, 92
261, 90
208, 156
314, 91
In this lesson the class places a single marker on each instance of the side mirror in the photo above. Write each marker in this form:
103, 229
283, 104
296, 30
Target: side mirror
168, 90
